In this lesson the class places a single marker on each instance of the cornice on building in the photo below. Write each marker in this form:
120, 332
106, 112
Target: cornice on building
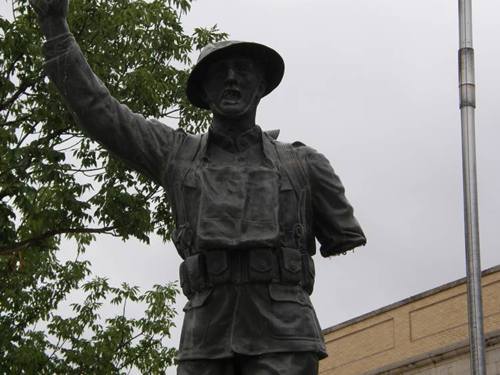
452, 351
406, 301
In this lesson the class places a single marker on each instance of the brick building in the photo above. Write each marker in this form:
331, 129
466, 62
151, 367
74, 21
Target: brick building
426, 334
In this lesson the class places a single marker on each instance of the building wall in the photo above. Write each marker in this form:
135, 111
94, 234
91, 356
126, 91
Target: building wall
459, 365
413, 335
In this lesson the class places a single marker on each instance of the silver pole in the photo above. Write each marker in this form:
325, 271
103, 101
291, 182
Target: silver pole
467, 107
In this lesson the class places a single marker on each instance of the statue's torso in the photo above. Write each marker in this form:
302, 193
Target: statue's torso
238, 200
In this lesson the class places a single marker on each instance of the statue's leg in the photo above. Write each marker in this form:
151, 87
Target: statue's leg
206, 367
290, 363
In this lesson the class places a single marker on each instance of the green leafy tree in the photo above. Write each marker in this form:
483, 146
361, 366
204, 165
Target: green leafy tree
55, 183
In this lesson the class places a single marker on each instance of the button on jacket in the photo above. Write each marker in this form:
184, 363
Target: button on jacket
234, 200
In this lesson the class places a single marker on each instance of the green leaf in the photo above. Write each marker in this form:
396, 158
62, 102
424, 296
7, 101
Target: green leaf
56, 182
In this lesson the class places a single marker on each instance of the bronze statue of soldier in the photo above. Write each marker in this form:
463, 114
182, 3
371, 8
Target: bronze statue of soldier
247, 207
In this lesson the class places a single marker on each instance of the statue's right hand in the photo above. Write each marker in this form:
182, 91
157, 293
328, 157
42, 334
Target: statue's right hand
50, 9
52, 16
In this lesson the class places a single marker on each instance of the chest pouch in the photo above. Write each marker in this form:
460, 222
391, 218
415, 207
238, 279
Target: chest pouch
238, 207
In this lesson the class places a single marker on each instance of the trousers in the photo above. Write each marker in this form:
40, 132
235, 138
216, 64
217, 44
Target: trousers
292, 363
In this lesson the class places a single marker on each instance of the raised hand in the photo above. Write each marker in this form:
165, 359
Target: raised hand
50, 8
51, 16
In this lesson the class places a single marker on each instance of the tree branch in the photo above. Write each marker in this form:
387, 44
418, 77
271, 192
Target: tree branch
7, 249
167, 114
85, 170
17, 120
25, 136
22, 88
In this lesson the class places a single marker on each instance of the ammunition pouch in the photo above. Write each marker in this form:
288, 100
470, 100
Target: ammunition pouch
262, 265
290, 265
182, 237
308, 273
211, 268
192, 275
217, 266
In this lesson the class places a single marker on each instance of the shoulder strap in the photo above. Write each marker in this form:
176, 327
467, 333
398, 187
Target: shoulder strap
192, 145
292, 165
295, 169
186, 154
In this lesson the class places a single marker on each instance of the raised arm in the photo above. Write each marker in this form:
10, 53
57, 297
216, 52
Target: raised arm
143, 144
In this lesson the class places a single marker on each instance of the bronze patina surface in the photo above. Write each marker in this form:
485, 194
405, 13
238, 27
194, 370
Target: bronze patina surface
248, 208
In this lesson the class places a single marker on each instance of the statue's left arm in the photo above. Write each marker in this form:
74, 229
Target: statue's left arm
334, 224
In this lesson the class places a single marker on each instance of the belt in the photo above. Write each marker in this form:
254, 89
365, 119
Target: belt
211, 268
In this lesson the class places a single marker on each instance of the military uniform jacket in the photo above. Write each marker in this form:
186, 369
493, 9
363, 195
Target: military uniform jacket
244, 228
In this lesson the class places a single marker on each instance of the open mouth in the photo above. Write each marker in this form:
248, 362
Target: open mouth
231, 95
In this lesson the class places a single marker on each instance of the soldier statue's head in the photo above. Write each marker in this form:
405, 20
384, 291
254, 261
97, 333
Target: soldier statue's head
231, 77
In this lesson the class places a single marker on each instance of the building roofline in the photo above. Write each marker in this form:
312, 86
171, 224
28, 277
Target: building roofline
406, 301
491, 340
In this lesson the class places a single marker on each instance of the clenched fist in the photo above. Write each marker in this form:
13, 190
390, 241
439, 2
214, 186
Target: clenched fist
50, 8
51, 16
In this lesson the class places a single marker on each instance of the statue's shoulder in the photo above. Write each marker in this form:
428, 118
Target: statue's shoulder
191, 144
304, 152
191, 137
298, 147
301, 149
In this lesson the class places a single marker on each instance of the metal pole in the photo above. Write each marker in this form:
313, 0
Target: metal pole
467, 107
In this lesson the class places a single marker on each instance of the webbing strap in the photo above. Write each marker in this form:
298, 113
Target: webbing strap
188, 151
191, 147
293, 167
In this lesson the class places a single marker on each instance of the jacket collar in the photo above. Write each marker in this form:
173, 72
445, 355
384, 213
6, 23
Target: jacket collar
241, 143
253, 136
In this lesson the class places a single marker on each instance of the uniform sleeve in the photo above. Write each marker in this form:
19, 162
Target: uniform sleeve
334, 224
144, 145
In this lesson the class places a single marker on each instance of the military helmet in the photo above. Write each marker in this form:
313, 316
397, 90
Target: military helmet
269, 59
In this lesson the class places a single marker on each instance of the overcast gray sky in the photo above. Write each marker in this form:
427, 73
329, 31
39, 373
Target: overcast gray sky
373, 85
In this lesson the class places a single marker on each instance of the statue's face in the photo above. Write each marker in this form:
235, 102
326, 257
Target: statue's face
233, 86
